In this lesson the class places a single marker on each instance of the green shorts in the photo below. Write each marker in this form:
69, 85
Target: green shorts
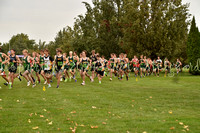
72, 67
27, 68
143, 66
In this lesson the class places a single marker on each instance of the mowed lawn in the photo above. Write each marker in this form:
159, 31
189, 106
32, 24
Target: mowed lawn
151, 105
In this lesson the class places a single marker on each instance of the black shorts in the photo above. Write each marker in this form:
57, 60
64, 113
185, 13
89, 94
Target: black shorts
12, 69
84, 69
92, 67
58, 69
147, 68
112, 67
159, 67
100, 73
47, 71
167, 68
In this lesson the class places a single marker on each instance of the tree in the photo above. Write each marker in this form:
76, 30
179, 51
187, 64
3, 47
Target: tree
98, 28
20, 42
64, 39
41, 45
153, 28
193, 43
52, 48
156, 28
5, 47
193, 46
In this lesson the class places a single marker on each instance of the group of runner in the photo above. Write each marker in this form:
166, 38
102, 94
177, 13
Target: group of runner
65, 67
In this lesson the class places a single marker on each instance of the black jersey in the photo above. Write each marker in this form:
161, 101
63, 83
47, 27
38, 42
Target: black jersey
59, 62
12, 59
98, 65
93, 58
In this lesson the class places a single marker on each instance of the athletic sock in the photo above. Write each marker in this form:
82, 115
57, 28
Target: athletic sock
33, 79
19, 78
49, 85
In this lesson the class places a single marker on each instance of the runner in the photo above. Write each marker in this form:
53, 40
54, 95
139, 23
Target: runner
111, 65
142, 66
147, 65
72, 66
35, 67
155, 67
3, 61
76, 59
167, 66
59, 61
150, 62
41, 60
66, 68
48, 64
26, 63
159, 63
126, 66
178, 66
105, 63
13, 61
135, 63
99, 65
80, 64
92, 64
85, 67
121, 65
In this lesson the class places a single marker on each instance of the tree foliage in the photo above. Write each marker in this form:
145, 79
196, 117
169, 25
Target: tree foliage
19, 42
153, 28
193, 44
193, 48
149, 27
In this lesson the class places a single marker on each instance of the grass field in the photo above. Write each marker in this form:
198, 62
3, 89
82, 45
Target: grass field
151, 105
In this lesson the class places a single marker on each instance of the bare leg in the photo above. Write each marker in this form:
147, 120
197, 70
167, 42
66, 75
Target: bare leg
58, 76
43, 75
25, 75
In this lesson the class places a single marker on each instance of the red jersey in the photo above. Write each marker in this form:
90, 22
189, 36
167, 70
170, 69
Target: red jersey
135, 62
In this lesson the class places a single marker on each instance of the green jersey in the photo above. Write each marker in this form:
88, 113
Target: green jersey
75, 60
41, 59
154, 64
85, 63
112, 61
2, 66
26, 64
71, 60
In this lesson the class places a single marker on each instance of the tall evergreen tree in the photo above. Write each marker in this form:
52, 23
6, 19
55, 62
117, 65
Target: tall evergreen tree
193, 44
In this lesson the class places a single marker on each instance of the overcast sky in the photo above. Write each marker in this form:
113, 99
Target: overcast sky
42, 19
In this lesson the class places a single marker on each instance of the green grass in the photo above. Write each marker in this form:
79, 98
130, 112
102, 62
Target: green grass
121, 106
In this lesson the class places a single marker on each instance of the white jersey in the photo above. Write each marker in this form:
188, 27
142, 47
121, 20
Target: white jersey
159, 61
47, 63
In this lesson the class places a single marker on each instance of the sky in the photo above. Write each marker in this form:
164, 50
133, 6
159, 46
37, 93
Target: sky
42, 19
